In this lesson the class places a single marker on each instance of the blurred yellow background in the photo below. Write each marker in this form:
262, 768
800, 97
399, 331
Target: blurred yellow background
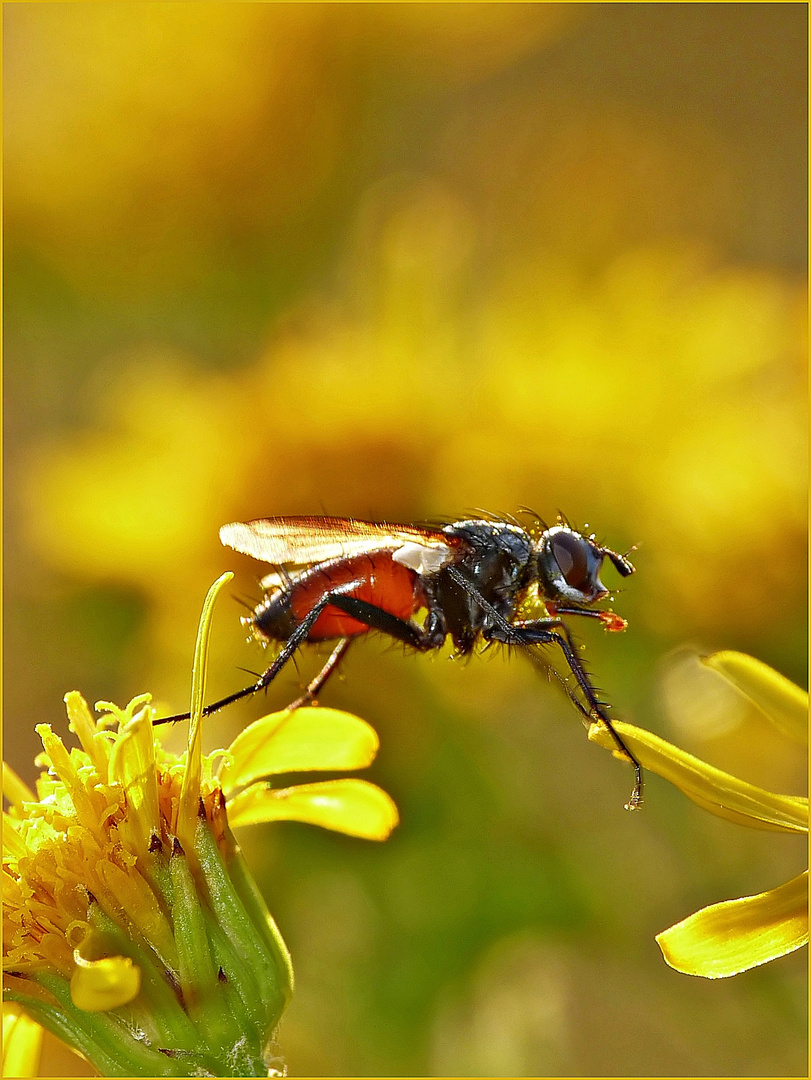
400, 262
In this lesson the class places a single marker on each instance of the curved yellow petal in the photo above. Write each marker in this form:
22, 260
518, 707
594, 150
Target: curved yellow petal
22, 1042
99, 985
192, 777
348, 805
785, 704
299, 741
731, 937
13, 843
712, 789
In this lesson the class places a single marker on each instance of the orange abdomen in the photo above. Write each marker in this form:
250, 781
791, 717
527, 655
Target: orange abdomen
380, 581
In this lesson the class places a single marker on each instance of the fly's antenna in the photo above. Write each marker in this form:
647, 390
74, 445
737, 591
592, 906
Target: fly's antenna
621, 564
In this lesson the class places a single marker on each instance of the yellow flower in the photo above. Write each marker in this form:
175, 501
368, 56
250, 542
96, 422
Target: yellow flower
132, 928
728, 938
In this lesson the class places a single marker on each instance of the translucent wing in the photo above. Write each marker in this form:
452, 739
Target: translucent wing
300, 541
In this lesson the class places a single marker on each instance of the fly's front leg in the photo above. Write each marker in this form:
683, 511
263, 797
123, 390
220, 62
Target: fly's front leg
546, 632
555, 632
609, 619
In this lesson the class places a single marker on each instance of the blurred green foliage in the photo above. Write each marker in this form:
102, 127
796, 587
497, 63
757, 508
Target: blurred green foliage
401, 261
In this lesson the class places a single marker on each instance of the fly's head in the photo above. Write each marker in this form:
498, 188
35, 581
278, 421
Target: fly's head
569, 566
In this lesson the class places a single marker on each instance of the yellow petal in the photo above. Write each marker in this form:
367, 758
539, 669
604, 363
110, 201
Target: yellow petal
304, 740
64, 765
192, 777
22, 1042
13, 844
99, 985
348, 805
728, 938
82, 724
132, 764
711, 788
785, 704
15, 789
131, 892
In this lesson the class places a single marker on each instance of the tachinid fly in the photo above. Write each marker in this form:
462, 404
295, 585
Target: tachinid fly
338, 578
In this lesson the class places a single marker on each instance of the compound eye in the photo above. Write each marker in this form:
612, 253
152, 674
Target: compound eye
572, 556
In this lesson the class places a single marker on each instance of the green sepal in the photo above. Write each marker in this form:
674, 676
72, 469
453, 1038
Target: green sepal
263, 951
254, 903
212, 1002
243, 1047
240, 979
54, 1020
163, 1014
105, 1039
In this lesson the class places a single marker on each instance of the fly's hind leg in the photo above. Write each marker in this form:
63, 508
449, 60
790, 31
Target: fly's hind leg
377, 618
374, 617
316, 686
